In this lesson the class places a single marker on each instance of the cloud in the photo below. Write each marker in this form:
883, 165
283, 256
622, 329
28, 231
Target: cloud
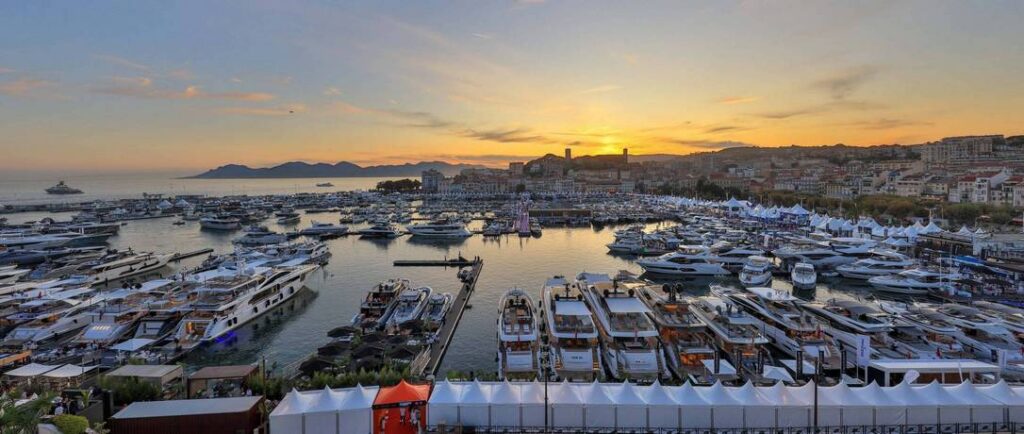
24, 86
709, 144
887, 123
5, 70
284, 110
730, 100
235, 80
513, 135
121, 61
332, 91
723, 129
602, 89
142, 87
786, 114
844, 83
483, 35
420, 119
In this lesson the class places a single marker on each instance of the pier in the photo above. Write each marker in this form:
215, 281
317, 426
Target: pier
180, 256
451, 321
447, 262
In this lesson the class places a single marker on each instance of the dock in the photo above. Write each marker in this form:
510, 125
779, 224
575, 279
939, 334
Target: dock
447, 262
451, 321
179, 256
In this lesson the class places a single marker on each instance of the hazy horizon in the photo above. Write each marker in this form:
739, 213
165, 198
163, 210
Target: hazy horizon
150, 87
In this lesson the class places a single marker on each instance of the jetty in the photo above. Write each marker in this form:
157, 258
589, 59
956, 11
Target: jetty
451, 321
180, 256
458, 262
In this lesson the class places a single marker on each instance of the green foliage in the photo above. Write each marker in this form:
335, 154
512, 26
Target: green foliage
467, 376
401, 185
387, 376
271, 387
24, 418
69, 424
100, 428
129, 390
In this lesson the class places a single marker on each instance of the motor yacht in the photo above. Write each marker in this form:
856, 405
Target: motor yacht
849, 319
62, 188
572, 335
688, 261
440, 229
287, 217
881, 263
380, 230
629, 339
915, 281
756, 272
409, 306
732, 258
1010, 317
984, 337
933, 336
436, 309
220, 223
321, 229
260, 236
803, 276
518, 337
379, 302
820, 257
12, 274
683, 335
230, 298
50, 314
735, 332
124, 264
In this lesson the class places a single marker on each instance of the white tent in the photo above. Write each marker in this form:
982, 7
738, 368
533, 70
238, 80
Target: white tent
951, 408
30, 370
504, 405
694, 411
983, 407
758, 412
287, 416
474, 405
1009, 397
662, 408
68, 371
851, 408
921, 408
630, 408
531, 403
321, 415
566, 405
726, 412
599, 408
443, 405
887, 410
794, 404
356, 411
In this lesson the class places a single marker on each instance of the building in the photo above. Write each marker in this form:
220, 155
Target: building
193, 416
430, 181
961, 149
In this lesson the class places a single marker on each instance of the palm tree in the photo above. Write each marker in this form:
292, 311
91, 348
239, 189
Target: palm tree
24, 418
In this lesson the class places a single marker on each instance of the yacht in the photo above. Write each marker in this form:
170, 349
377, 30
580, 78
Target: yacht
1010, 317
734, 332
324, 184
915, 281
439, 230
572, 334
318, 229
12, 274
379, 302
220, 223
229, 299
848, 319
436, 309
409, 306
689, 261
62, 188
683, 335
733, 258
122, 265
982, 336
287, 217
518, 337
756, 272
380, 230
879, 264
629, 339
819, 257
261, 236
803, 276
786, 325
933, 335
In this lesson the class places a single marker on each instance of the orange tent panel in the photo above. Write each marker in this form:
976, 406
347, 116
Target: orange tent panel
402, 393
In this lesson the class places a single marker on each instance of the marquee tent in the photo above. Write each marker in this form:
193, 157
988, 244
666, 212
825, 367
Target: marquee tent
1003, 393
474, 405
662, 408
444, 403
566, 406
600, 408
726, 412
531, 403
504, 404
694, 410
630, 408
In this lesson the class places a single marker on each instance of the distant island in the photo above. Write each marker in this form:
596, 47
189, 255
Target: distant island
344, 169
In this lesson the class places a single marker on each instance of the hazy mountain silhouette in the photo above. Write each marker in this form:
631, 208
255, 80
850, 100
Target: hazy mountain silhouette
343, 169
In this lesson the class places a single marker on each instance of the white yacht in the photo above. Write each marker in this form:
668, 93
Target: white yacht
380, 230
848, 319
572, 334
934, 336
50, 314
819, 257
12, 274
689, 261
629, 339
379, 302
1010, 317
287, 217
436, 309
733, 258
756, 272
735, 332
320, 229
220, 223
261, 236
881, 263
803, 276
790, 328
439, 230
409, 306
683, 335
126, 265
915, 281
982, 336
230, 298
518, 337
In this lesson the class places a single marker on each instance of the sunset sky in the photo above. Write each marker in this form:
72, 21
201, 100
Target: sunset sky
136, 86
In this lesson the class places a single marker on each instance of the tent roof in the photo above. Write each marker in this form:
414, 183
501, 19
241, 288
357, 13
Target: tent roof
625, 394
503, 393
145, 371
402, 392
716, 395
657, 395
595, 394
563, 393
1001, 392
293, 403
748, 395
31, 370
445, 393
69, 371
531, 393
360, 397
474, 393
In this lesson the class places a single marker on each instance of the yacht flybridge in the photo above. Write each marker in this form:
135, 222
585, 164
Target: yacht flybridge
688, 261
915, 281
683, 334
572, 334
735, 332
629, 339
379, 302
518, 338
409, 306
880, 263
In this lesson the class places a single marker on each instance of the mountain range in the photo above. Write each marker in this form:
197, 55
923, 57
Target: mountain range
343, 169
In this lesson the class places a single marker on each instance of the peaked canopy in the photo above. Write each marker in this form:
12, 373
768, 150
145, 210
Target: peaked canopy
402, 392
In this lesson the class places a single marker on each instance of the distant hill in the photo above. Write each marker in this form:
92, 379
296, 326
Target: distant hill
344, 169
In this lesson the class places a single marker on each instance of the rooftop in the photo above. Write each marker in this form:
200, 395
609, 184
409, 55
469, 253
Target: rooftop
188, 407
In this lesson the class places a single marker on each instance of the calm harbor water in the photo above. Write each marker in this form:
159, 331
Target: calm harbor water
285, 338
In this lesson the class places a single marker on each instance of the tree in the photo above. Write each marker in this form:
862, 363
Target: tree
520, 188
401, 185
70, 424
23, 419
130, 389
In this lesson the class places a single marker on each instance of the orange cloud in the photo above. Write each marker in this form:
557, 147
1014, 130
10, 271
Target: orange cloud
729, 100
23, 86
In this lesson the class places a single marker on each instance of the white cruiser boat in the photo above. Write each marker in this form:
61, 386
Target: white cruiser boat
732, 258
261, 237
915, 281
439, 230
572, 334
233, 297
287, 217
819, 257
518, 337
319, 229
127, 265
629, 339
756, 272
436, 309
51, 314
380, 230
983, 337
379, 302
409, 306
220, 223
881, 263
683, 334
1010, 317
735, 332
803, 276
12, 274
689, 261
62, 188
790, 328
847, 319
933, 335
